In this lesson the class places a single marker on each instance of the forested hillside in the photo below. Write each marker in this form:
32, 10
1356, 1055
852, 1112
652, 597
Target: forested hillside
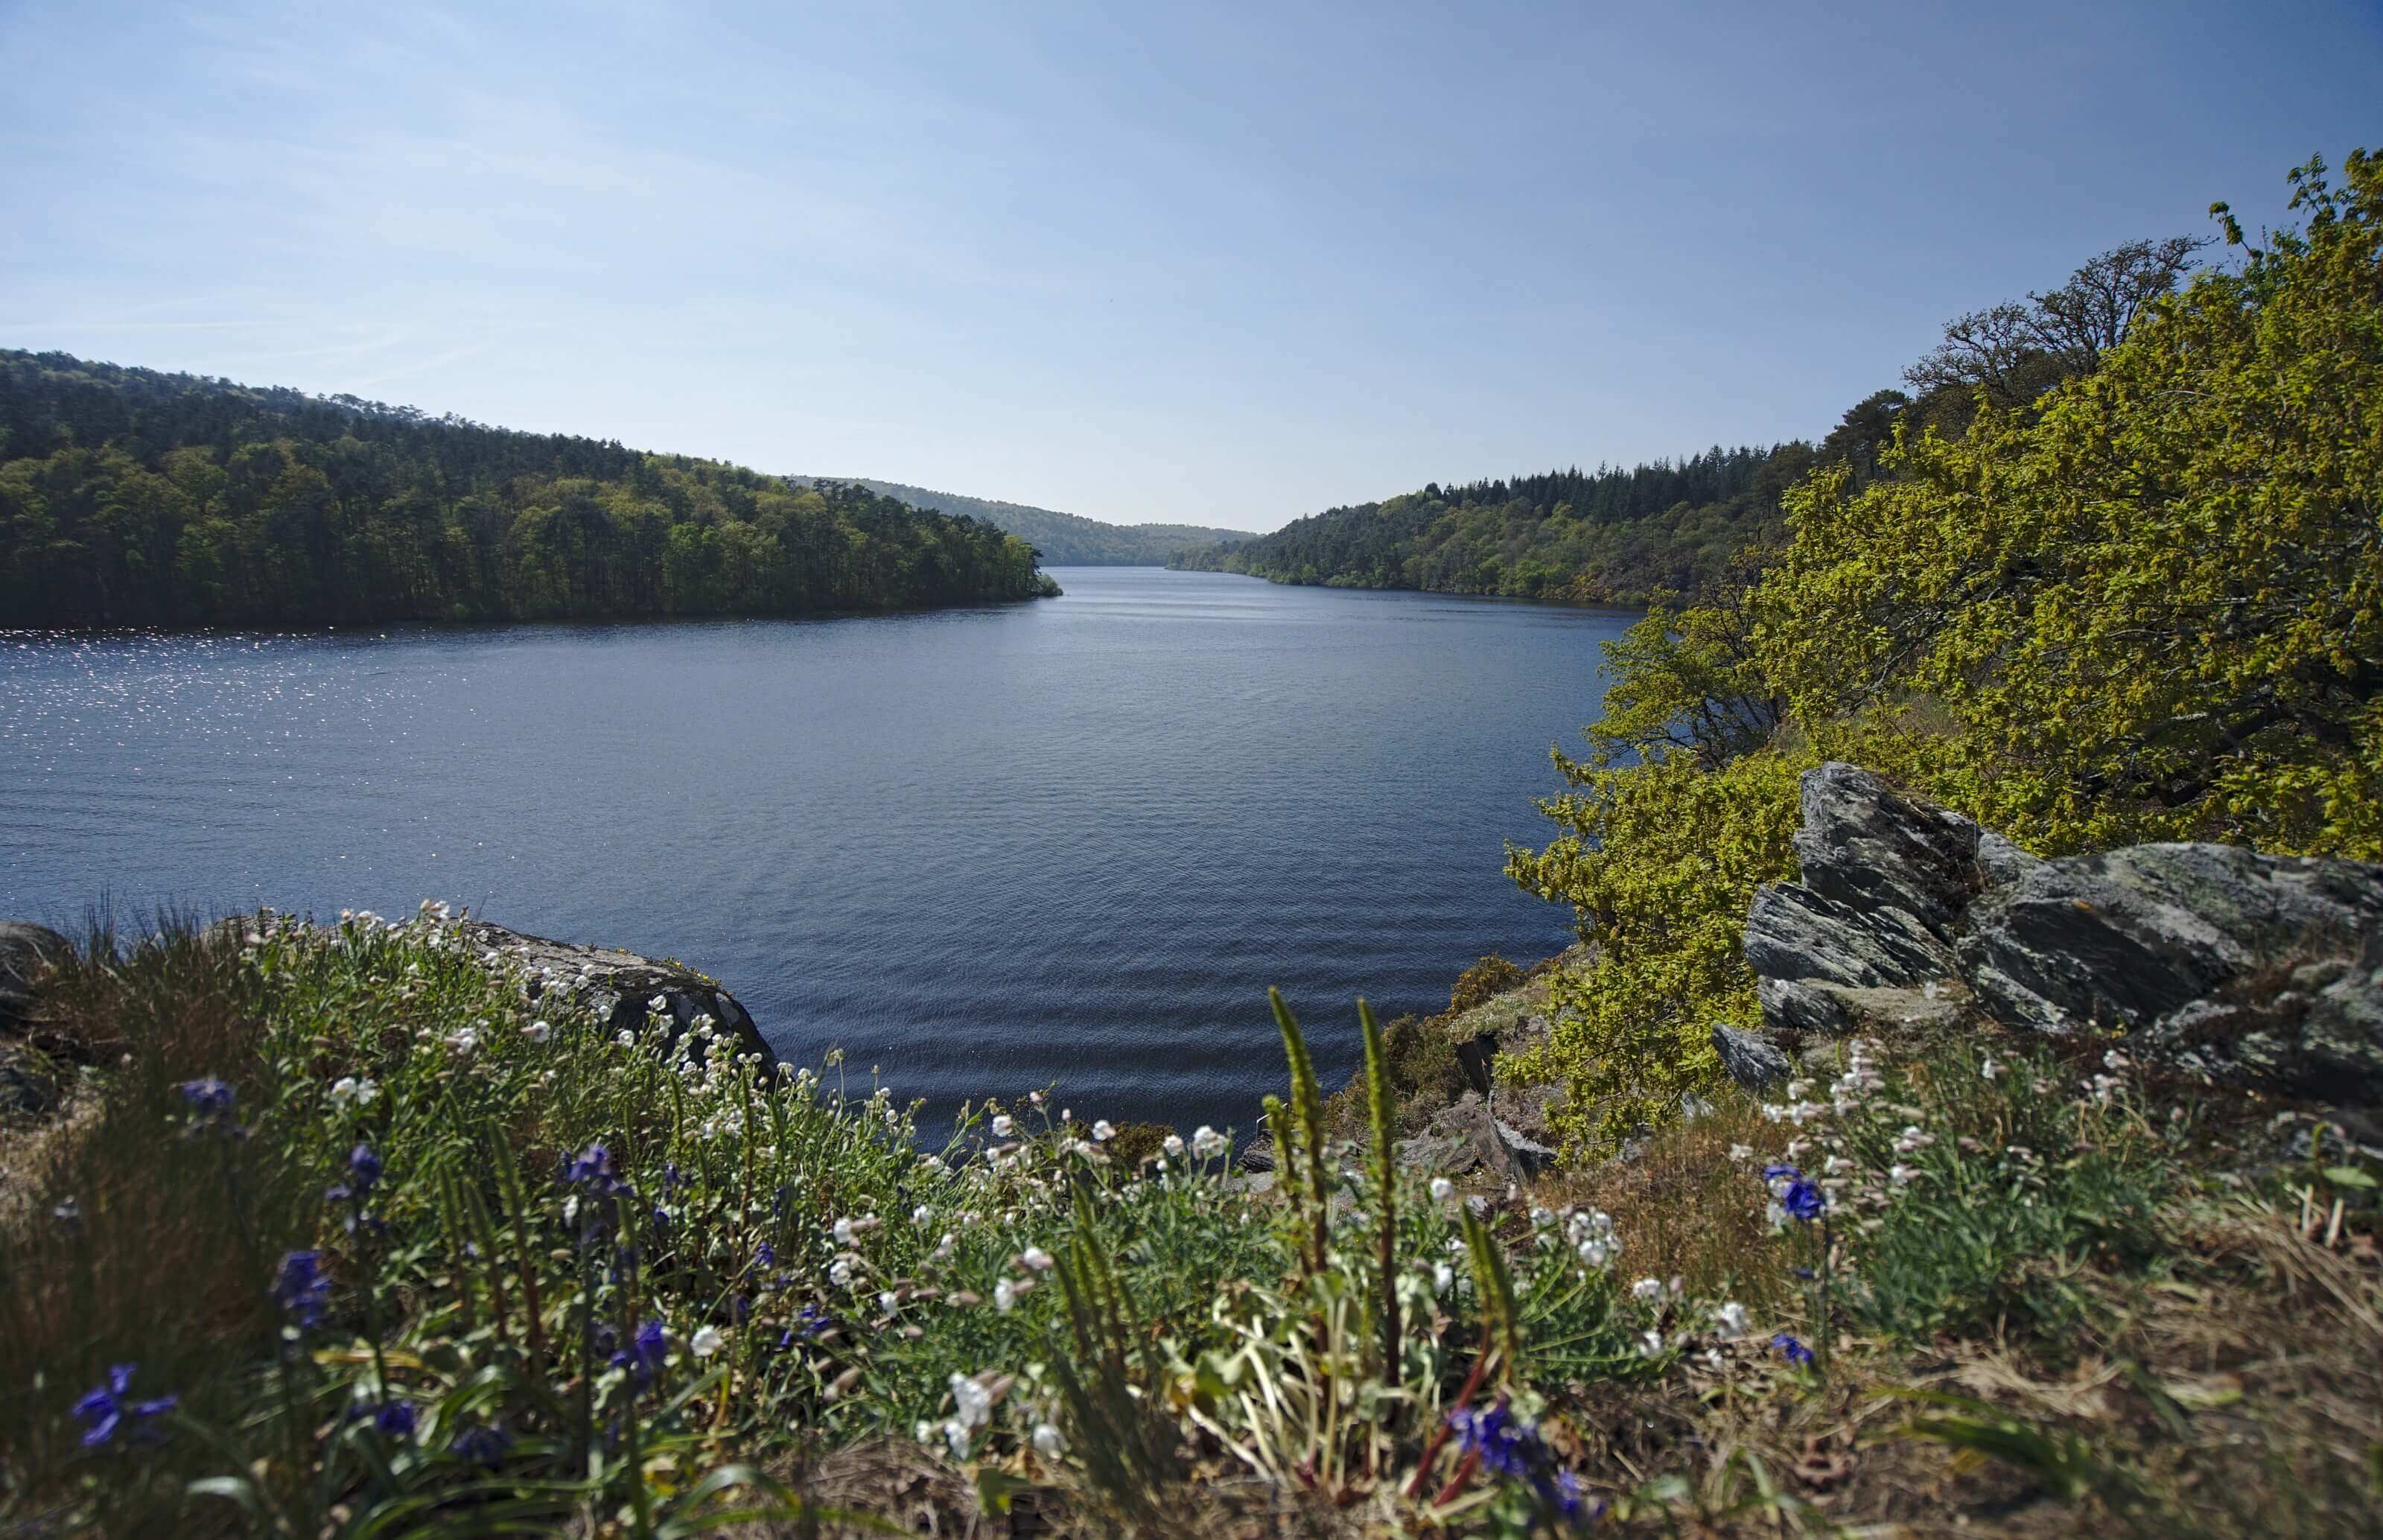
134, 498
1061, 539
1702, 525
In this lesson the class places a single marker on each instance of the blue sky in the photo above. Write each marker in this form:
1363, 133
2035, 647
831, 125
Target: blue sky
1218, 263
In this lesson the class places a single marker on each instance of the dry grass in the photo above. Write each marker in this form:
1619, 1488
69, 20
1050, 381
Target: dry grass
1686, 1209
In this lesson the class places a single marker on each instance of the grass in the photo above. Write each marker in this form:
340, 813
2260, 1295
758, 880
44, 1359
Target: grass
583, 1285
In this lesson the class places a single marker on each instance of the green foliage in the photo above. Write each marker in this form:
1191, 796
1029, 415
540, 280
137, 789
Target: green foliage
131, 497
1660, 861
2142, 602
2151, 606
1491, 975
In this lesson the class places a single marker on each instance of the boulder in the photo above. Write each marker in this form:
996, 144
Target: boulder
1467, 1137
618, 987
2264, 970
25, 954
1751, 1059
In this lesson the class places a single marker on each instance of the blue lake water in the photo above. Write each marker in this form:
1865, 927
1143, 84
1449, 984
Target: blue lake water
1069, 840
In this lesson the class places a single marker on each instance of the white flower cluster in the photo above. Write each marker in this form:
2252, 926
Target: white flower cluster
1591, 1234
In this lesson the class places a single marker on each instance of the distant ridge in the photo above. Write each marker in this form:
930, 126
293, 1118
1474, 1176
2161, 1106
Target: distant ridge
1064, 540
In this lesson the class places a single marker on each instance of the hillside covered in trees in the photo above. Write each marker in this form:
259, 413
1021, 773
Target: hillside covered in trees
134, 498
1693, 528
1061, 539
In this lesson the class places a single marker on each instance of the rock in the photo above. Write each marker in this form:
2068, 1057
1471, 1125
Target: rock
1752, 1060
1865, 845
2264, 970
25, 953
1467, 1137
2127, 938
617, 986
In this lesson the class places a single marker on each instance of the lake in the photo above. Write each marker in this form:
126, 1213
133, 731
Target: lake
986, 849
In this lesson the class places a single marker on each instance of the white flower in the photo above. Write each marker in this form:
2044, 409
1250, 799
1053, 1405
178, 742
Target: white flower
1002, 1126
2114, 1060
974, 1402
956, 1434
537, 1031
1741, 1152
839, 1273
1899, 1174
1442, 1190
1649, 1344
1774, 1215
1005, 1294
626, 1038
464, 1041
844, 1233
1443, 1277
347, 1088
1597, 1253
886, 1302
1990, 1068
920, 1215
1732, 1318
1173, 1145
1049, 1442
1037, 1258
1102, 1130
705, 1342
1479, 1204
1648, 1290
1207, 1143
659, 1004
1796, 1090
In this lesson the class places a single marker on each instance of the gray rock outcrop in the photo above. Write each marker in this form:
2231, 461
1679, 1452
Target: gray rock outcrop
617, 987
2262, 969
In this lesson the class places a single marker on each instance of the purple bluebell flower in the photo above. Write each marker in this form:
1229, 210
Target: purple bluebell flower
1511, 1447
1803, 1199
395, 1419
363, 1169
103, 1410
592, 1169
482, 1446
766, 1255
1780, 1171
300, 1287
645, 1352
1794, 1351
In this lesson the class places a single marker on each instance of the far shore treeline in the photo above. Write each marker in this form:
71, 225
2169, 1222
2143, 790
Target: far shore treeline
131, 497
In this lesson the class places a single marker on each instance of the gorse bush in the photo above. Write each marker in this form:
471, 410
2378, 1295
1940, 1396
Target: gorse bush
2143, 604
363, 1239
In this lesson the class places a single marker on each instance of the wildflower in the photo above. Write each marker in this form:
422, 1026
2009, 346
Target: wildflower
1791, 1351
1647, 1290
1899, 1174
765, 1255
844, 1234
1479, 1204
1442, 1190
1005, 1294
1774, 1216
1103, 1130
463, 1043
2114, 1060
839, 1273
659, 1004
625, 1037
1003, 1126
886, 1301
363, 1169
67, 1210
300, 1287
592, 1169
1049, 1442
481, 1446
348, 1088
1990, 1068
705, 1342
1732, 1319
1650, 1344
1443, 1277
1913, 1138
103, 1410
1741, 1152
210, 1100
537, 1031
1173, 1145
645, 1354
394, 1420
1207, 1143
1037, 1259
